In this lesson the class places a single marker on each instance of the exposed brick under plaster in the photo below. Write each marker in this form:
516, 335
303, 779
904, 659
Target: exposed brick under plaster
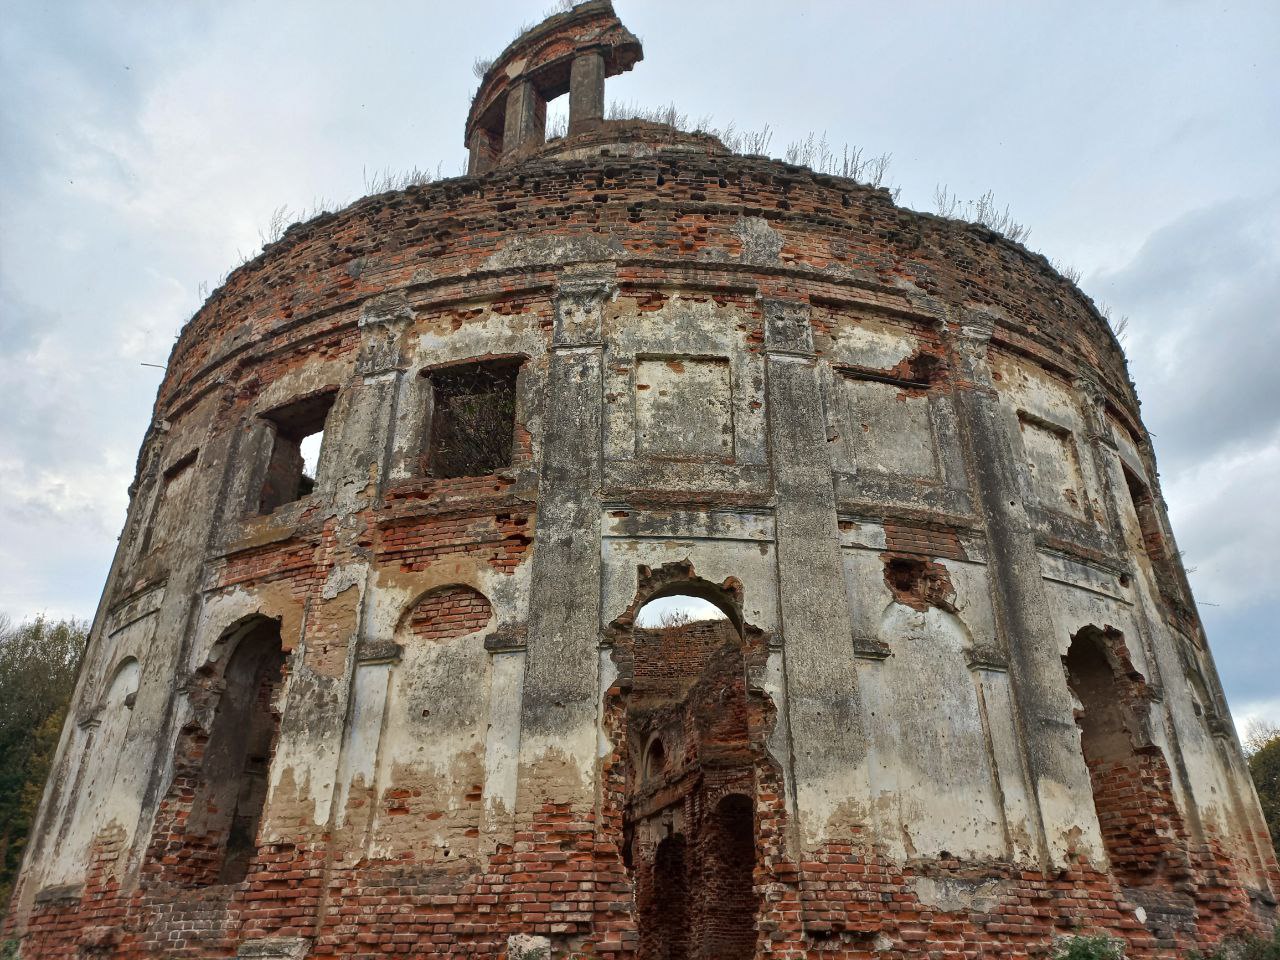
687, 232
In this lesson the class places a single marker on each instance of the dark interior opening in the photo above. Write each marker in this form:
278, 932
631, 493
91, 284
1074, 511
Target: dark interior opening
689, 716
656, 761
237, 760
665, 913
729, 862
473, 414
298, 431
1132, 789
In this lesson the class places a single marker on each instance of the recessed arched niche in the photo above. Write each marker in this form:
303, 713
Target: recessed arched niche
124, 684
448, 612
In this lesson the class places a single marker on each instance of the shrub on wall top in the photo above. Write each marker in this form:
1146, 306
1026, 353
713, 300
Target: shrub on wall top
1089, 948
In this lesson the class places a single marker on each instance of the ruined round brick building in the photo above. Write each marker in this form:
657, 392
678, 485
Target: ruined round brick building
960, 702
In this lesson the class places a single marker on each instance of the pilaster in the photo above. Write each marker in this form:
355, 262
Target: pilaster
558, 713
829, 748
1057, 775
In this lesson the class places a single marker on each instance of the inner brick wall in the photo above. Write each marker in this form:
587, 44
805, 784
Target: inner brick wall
669, 660
726, 896
663, 903
694, 891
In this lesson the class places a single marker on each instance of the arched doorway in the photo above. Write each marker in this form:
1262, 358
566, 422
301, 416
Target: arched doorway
1142, 829
727, 887
232, 787
664, 912
692, 729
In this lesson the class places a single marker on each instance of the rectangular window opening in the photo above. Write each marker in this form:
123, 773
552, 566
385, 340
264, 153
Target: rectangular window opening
473, 415
295, 450
1152, 538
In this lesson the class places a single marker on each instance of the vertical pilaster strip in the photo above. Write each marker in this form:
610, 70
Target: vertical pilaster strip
1102, 450
502, 742
558, 711
357, 466
829, 749
1057, 775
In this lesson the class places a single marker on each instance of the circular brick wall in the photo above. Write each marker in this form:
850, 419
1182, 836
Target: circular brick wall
961, 700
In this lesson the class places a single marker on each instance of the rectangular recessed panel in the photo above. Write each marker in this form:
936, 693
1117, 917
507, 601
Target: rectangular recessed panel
1052, 467
684, 408
890, 430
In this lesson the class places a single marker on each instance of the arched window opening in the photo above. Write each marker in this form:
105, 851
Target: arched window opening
1132, 784
677, 609
233, 782
664, 911
727, 888
674, 640
655, 763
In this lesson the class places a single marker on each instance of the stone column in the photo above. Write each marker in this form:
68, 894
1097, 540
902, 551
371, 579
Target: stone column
525, 125
558, 713
828, 744
1058, 777
586, 92
1102, 450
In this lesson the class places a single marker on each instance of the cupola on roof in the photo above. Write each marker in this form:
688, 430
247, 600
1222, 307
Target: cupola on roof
571, 52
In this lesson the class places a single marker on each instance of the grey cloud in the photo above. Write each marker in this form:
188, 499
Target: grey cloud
1202, 296
1245, 650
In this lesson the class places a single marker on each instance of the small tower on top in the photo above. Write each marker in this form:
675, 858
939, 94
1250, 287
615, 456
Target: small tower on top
572, 52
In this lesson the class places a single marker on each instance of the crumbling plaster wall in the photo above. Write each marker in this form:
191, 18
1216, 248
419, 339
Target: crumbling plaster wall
917, 504
105, 776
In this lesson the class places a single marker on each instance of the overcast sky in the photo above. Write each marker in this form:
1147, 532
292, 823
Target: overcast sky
144, 145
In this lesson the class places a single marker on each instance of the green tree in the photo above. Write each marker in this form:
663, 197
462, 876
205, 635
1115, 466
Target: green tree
38, 664
1262, 745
